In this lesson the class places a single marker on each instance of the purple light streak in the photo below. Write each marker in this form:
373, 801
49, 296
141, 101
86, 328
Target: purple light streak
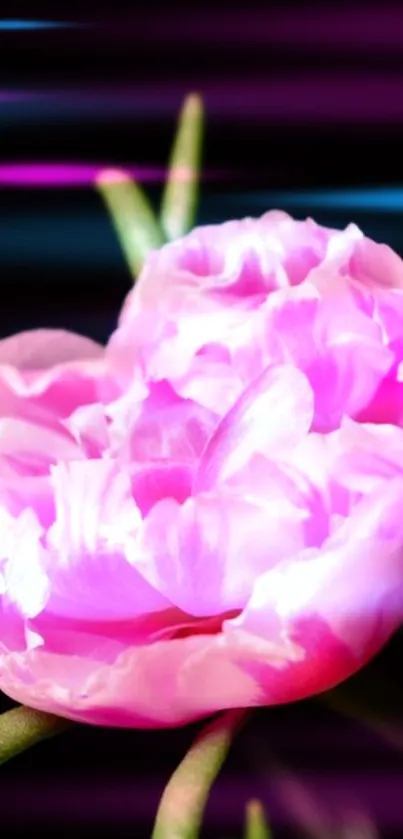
335, 98
104, 800
350, 28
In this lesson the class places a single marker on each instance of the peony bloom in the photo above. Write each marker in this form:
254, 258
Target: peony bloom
208, 514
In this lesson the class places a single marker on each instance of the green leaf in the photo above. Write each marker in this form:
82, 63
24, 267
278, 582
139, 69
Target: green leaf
23, 727
182, 805
256, 826
180, 196
132, 215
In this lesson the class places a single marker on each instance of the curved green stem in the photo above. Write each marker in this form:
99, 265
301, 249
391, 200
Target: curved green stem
23, 727
182, 805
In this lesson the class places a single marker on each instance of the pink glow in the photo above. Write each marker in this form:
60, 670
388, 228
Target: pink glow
49, 175
71, 175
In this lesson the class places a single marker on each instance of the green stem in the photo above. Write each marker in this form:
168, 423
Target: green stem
132, 215
179, 201
23, 727
182, 805
256, 826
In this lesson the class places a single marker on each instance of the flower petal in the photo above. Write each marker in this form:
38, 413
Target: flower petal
353, 585
205, 554
273, 413
95, 514
39, 349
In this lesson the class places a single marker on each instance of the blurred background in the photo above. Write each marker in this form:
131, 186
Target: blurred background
304, 109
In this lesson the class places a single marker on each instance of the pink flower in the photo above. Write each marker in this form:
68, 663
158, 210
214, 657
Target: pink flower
208, 515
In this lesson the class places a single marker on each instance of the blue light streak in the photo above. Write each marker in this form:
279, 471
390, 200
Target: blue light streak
22, 25
378, 199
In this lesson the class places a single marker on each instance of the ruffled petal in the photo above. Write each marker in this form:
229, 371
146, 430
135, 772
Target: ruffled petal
273, 413
95, 515
205, 554
353, 585
40, 349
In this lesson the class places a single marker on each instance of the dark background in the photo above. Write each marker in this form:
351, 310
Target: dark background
298, 96
304, 112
